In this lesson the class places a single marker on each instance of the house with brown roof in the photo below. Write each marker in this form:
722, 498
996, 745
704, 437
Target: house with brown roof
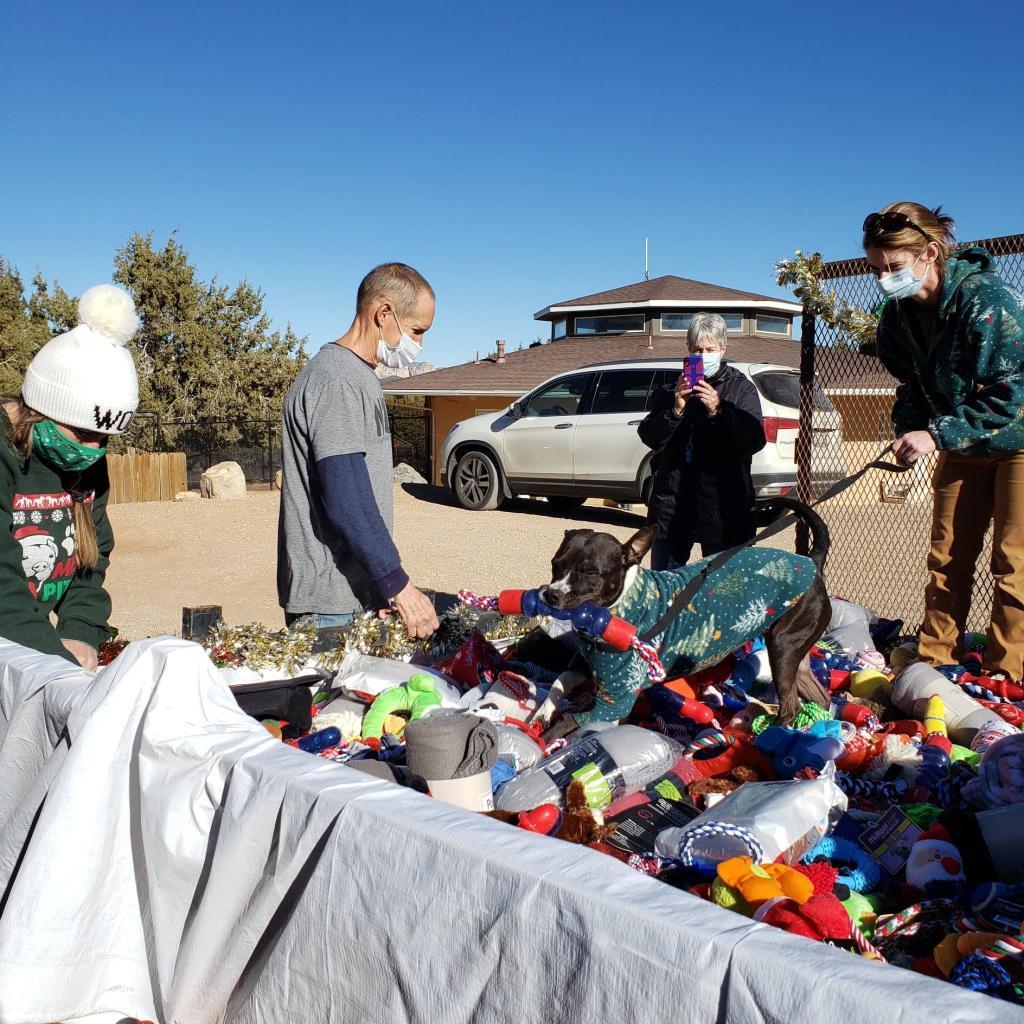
646, 320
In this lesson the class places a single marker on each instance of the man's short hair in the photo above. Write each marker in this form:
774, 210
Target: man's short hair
396, 283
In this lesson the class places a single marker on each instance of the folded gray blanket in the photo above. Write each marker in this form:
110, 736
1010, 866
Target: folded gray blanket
450, 746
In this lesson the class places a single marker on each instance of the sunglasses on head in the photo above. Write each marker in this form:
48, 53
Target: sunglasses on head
893, 220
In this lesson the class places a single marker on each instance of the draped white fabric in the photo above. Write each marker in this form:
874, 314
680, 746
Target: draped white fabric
162, 856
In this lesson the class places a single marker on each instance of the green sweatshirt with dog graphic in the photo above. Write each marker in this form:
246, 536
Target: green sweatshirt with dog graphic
960, 365
39, 570
736, 603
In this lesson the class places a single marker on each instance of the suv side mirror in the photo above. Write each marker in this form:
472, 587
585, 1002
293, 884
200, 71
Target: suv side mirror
515, 410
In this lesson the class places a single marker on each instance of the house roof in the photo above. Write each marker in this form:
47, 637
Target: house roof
525, 369
670, 291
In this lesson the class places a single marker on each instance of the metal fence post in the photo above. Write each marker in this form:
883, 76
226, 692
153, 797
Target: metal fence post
805, 435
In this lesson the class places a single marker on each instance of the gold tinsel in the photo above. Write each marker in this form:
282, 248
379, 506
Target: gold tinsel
803, 275
257, 647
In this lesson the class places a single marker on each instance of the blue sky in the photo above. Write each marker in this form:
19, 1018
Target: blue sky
517, 154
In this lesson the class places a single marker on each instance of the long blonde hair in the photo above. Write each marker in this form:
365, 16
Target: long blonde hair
23, 419
931, 226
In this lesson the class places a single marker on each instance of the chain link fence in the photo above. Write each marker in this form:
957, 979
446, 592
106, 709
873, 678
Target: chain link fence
256, 444
881, 525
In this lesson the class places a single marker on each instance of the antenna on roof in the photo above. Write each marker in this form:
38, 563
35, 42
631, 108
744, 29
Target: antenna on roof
647, 272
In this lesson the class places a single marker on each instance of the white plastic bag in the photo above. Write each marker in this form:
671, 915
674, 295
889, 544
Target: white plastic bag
761, 820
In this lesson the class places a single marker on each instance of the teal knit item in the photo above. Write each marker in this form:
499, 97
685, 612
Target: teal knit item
736, 603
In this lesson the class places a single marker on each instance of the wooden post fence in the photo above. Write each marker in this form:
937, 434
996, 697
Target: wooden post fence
146, 476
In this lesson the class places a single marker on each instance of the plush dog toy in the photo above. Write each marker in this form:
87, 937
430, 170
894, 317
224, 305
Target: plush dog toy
575, 824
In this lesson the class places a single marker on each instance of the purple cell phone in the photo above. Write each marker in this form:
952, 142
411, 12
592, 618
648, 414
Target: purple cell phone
693, 369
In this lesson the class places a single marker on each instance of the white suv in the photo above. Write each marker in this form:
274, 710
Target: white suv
574, 437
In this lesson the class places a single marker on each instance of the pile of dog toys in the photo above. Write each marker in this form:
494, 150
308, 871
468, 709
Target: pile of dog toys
897, 832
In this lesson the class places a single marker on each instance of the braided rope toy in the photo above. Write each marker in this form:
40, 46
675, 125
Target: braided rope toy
591, 619
718, 828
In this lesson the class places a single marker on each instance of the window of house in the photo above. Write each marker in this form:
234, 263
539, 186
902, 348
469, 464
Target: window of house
622, 391
682, 321
560, 398
772, 324
558, 329
619, 324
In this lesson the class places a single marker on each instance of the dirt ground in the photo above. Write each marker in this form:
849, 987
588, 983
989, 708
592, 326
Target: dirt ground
170, 555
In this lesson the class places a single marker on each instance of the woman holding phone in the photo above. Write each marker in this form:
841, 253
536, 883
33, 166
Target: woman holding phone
704, 436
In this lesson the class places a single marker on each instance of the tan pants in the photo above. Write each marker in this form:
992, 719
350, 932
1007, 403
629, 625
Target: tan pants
970, 492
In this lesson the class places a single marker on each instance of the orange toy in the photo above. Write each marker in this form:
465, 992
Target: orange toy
757, 883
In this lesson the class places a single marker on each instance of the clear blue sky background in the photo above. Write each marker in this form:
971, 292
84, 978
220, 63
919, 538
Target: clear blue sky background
516, 153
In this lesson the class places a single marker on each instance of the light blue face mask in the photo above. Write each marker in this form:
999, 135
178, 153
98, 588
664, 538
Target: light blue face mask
902, 284
712, 363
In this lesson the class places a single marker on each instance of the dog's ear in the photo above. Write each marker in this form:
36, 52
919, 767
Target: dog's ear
634, 550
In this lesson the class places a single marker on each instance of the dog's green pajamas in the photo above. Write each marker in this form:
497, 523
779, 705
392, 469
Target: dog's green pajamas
736, 603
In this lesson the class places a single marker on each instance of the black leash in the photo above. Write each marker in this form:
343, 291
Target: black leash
783, 522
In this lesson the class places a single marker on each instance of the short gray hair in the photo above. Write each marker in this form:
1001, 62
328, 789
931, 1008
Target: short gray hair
397, 283
706, 325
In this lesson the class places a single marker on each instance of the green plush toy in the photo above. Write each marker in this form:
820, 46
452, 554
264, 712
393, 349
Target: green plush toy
413, 697
863, 910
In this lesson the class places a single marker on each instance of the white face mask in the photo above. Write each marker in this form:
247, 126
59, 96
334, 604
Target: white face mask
902, 284
712, 363
405, 353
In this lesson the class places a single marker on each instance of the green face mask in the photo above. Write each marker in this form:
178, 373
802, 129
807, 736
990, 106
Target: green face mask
60, 451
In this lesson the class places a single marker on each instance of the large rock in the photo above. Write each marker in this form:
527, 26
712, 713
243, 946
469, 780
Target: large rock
405, 474
225, 480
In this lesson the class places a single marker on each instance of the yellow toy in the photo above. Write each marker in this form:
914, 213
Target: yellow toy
753, 884
935, 716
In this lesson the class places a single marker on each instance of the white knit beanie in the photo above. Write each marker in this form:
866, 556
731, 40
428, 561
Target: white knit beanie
86, 378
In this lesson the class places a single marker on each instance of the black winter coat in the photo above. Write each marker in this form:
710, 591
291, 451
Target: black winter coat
707, 498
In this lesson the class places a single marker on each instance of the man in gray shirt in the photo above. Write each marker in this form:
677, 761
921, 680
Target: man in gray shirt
335, 555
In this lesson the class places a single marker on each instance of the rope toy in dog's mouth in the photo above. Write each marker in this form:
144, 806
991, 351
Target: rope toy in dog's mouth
593, 620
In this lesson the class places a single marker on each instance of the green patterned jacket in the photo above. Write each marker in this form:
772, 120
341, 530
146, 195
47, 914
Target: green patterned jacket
966, 384
737, 603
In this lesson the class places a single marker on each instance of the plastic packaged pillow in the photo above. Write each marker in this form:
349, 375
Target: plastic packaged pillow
765, 821
612, 763
363, 673
517, 748
850, 626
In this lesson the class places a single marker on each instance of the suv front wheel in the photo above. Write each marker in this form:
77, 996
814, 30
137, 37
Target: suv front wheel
476, 483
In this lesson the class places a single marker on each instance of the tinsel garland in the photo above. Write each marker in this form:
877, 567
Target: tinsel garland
387, 638
803, 273
256, 647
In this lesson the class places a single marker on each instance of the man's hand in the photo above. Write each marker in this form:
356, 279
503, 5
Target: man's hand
909, 447
709, 396
683, 392
84, 654
416, 612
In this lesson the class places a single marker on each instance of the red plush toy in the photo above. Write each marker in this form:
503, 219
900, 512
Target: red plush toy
822, 918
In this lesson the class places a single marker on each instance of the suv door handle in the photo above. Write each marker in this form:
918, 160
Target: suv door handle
562, 426
634, 423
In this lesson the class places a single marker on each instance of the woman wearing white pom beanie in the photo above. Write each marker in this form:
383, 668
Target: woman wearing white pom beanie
55, 538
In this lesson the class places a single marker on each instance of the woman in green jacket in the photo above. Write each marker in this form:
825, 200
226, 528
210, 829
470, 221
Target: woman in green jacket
55, 539
952, 332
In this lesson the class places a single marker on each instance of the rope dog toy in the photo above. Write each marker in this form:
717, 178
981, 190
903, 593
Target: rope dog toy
591, 619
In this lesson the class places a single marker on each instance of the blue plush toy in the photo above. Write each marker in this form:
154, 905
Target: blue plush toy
791, 750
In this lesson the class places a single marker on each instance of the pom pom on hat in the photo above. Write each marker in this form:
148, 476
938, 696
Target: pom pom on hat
109, 310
